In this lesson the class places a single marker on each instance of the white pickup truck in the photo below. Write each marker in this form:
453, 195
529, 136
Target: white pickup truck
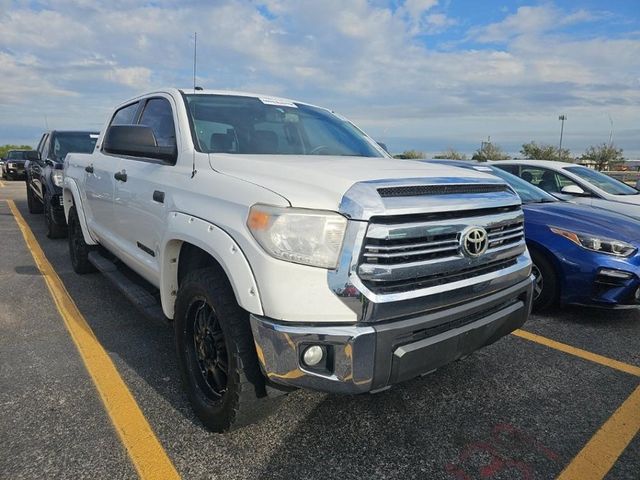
290, 250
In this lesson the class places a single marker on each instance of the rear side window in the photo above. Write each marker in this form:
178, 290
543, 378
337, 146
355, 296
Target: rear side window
125, 115
158, 116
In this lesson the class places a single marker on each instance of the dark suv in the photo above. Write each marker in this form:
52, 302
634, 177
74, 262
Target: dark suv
44, 175
13, 164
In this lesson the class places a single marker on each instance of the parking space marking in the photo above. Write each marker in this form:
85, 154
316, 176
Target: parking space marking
603, 450
578, 352
146, 453
1, 184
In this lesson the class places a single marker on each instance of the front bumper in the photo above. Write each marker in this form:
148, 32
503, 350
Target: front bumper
15, 172
615, 288
364, 357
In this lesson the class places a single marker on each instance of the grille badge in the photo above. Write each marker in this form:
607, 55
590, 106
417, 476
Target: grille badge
474, 241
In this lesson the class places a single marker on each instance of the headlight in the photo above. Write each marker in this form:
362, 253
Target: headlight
597, 244
57, 177
310, 237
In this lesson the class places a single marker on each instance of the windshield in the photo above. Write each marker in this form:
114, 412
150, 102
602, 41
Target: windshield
72, 142
251, 125
16, 155
528, 193
602, 181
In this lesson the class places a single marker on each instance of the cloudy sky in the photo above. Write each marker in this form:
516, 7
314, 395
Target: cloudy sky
423, 74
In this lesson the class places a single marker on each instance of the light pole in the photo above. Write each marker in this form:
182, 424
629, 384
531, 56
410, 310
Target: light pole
562, 118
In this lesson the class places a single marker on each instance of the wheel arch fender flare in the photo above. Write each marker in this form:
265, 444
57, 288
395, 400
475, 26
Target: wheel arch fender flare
540, 249
72, 198
220, 246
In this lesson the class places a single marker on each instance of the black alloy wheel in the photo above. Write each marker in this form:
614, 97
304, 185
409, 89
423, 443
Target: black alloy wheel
538, 284
546, 288
208, 348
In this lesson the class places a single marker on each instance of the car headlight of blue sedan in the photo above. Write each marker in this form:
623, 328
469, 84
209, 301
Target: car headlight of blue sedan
597, 244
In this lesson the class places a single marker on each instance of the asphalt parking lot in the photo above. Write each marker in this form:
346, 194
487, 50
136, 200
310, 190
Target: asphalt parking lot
564, 401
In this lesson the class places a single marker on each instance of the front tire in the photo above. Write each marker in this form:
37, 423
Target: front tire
216, 353
546, 289
53, 229
78, 249
33, 204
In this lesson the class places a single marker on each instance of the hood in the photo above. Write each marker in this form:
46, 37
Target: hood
584, 219
321, 181
632, 199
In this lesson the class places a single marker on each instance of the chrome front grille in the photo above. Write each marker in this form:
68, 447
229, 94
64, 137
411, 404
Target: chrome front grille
420, 253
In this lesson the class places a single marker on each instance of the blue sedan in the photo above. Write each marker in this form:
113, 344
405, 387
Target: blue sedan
581, 255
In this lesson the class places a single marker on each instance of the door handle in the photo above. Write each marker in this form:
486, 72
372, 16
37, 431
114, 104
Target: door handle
120, 176
88, 169
158, 196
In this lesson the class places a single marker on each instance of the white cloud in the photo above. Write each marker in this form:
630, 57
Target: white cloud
529, 20
362, 58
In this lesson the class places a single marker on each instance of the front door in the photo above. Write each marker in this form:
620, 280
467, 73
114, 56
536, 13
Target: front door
141, 200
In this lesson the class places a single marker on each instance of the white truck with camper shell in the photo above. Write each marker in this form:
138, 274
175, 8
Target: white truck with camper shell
290, 250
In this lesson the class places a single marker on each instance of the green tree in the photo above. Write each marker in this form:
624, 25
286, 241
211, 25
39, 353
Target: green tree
544, 151
489, 151
411, 155
605, 156
5, 148
451, 154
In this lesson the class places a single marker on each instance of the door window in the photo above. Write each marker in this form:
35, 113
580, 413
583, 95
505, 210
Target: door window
125, 115
509, 168
546, 179
158, 116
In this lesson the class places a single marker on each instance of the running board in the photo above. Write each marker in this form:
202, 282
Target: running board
137, 294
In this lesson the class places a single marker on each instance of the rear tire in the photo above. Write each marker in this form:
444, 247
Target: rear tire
34, 205
216, 353
53, 229
78, 249
546, 288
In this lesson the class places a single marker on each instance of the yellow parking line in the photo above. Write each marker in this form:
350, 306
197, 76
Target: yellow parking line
1, 184
143, 447
603, 450
578, 352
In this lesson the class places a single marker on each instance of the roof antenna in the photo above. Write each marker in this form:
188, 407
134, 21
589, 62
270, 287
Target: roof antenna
195, 58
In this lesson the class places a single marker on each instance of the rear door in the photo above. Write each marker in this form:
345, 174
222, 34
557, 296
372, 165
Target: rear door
100, 182
141, 200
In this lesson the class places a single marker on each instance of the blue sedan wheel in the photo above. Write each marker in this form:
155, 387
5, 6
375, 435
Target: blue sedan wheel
545, 290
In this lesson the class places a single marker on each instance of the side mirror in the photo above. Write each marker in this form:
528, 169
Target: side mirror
32, 155
573, 190
136, 141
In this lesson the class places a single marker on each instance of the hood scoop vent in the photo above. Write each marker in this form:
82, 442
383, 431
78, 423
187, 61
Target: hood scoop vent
444, 189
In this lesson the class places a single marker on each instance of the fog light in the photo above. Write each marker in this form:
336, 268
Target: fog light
609, 272
313, 355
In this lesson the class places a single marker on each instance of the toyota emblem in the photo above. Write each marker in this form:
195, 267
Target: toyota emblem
474, 241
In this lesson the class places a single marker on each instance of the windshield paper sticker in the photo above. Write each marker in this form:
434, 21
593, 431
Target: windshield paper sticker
277, 101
